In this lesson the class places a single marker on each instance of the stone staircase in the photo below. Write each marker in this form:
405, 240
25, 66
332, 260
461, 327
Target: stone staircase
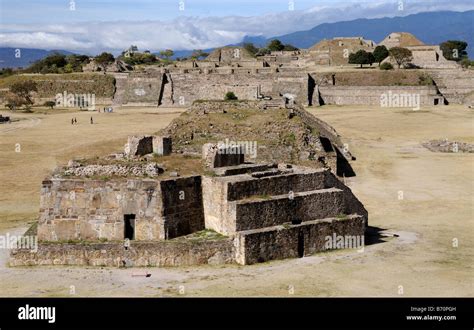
453, 84
282, 211
121, 81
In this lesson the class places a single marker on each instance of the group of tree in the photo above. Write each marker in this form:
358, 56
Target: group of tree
454, 50
400, 55
104, 59
199, 54
20, 94
273, 46
362, 57
58, 63
140, 58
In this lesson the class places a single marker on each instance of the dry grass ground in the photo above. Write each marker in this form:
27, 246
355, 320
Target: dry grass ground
47, 140
437, 207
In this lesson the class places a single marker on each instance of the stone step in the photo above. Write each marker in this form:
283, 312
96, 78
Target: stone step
242, 169
293, 241
265, 211
245, 186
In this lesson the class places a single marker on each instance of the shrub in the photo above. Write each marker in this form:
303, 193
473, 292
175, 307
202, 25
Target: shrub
425, 80
230, 96
386, 66
466, 63
49, 104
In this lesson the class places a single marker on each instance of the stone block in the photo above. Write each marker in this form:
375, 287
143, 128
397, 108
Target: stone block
162, 145
215, 155
138, 146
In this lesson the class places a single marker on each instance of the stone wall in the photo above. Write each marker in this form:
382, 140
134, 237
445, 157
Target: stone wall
142, 90
293, 241
139, 254
304, 206
215, 204
243, 202
72, 209
181, 88
275, 185
371, 95
182, 206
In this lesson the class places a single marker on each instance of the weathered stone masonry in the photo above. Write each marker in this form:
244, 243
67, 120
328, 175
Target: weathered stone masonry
84, 209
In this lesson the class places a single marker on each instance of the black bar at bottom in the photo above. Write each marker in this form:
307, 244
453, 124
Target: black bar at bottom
222, 313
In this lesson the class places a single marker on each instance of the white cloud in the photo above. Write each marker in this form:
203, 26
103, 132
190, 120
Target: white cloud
197, 32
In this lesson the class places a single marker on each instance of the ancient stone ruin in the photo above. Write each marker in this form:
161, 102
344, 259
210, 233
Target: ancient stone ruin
302, 76
129, 210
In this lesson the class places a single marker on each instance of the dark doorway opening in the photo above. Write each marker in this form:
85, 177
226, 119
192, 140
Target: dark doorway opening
129, 226
326, 143
343, 167
300, 244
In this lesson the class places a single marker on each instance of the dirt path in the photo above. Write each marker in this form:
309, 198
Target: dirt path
436, 208
19, 125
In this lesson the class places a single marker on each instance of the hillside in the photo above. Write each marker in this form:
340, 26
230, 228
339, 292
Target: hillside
431, 28
28, 56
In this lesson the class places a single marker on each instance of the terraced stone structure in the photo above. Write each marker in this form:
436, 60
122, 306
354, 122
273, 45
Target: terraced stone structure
232, 212
301, 76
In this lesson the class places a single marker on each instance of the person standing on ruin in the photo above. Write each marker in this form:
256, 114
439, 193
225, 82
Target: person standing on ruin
92, 120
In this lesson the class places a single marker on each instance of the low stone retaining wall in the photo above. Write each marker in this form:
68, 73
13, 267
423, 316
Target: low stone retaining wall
372, 95
139, 254
292, 241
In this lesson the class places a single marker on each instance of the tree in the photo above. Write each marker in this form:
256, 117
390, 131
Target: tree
361, 57
263, 51
198, 53
275, 45
104, 59
230, 96
380, 53
23, 89
400, 55
59, 63
166, 53
250, 47
289, 47
68, 68
14, 101
454, 50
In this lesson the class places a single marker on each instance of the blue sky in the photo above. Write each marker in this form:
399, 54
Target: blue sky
113, 25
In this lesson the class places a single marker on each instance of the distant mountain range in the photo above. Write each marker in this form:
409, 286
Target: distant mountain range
432, 28
26, 58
